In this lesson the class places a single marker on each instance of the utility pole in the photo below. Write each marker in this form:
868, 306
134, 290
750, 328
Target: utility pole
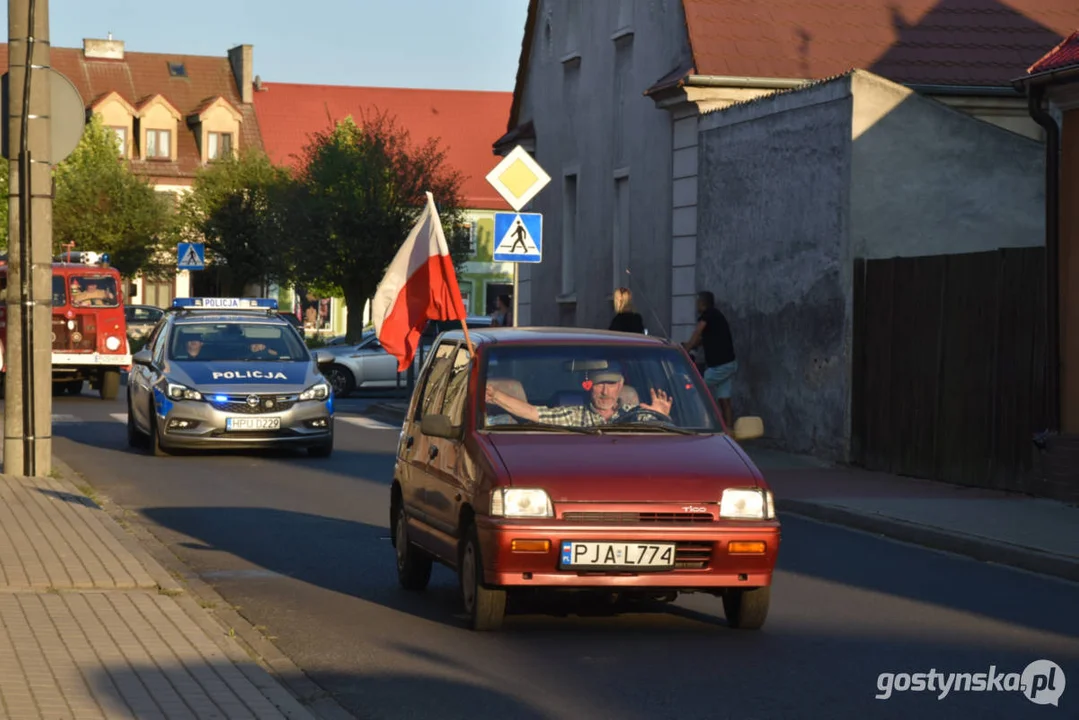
28, 350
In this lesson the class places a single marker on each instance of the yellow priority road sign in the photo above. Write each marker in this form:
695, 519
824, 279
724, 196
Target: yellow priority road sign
518, 178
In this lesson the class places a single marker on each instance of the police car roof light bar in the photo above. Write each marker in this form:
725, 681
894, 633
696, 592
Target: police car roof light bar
212, 303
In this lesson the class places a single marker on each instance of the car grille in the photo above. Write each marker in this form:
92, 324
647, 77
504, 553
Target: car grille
617, 518
692, 555
266, 404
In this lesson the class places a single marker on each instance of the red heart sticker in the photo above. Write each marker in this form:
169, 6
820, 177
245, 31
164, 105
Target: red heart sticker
587, 384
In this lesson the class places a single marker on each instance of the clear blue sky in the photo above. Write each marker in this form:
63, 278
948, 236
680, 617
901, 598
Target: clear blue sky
454, 44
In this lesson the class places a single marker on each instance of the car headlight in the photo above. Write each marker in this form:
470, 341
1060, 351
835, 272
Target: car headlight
321, 391
182, 392
747, 504
521, 503
112, 343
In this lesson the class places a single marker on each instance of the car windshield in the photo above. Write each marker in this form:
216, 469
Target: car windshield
96, 290
599, 387
236, 342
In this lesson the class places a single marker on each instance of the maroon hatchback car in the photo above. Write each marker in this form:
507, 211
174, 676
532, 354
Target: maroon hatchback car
569, 460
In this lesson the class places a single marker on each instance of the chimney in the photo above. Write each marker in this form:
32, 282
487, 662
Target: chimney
241, 58
103, 49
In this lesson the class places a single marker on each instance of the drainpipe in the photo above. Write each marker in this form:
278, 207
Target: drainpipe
1052, 252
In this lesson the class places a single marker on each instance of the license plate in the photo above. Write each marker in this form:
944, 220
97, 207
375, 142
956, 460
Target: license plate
653, 556
253, 423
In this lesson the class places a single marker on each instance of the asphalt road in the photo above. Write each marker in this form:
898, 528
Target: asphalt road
301, 546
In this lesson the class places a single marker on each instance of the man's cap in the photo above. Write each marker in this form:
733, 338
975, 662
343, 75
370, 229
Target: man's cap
611, 374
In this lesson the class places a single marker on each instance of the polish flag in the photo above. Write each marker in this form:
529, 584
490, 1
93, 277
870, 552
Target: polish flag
420, 285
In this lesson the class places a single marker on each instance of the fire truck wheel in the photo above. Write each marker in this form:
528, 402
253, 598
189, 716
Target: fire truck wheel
110, 384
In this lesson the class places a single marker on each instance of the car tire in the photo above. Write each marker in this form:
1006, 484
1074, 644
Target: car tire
747, 609
156, 447
413, 565
110, 384
135, 437
485, 607
341, 380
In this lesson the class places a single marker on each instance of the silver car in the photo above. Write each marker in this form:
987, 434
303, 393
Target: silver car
367, 366
228, 373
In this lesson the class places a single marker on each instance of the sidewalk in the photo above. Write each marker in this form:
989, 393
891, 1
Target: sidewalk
92, 627
1028, 533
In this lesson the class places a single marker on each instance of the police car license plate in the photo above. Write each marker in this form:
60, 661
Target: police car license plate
617, 555
253, 423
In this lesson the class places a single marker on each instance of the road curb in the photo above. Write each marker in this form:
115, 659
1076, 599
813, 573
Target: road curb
231, 632
970, 546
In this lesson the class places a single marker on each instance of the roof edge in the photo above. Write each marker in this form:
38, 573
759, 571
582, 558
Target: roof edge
1065, 74
522, 64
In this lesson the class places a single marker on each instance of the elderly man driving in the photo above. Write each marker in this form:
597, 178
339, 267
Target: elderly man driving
604, 407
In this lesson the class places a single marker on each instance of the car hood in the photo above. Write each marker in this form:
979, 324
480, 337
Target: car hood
244, 377
624, 468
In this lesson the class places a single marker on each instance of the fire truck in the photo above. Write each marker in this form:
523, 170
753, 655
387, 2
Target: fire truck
89, 330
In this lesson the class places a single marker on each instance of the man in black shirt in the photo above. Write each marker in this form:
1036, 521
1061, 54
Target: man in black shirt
714, 335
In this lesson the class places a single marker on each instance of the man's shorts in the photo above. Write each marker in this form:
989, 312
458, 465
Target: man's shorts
718, 379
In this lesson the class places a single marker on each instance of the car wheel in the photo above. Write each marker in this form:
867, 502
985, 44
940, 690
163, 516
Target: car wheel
155, 435
486, 607
747, 609
110, 384
135, 438
413, 564
341, 380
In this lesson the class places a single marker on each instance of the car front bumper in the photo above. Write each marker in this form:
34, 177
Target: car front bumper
704, 557
193, 424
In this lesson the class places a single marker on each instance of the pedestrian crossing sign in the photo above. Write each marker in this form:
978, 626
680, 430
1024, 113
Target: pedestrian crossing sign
191, 256
518, 237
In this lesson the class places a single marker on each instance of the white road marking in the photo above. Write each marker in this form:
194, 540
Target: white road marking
66, 419
365, 422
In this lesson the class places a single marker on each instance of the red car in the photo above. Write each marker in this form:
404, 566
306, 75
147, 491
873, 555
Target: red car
569, 460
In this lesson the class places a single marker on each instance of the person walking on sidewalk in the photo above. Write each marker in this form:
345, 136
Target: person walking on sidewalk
713, 333
626, 318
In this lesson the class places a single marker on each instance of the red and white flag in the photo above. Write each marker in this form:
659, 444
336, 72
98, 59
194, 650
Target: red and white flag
419, 285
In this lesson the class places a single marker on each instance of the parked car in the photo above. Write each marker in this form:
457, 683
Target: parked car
564, 460
141, 319
367, 366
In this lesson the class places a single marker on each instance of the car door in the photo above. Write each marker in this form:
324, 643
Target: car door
417, 449
444, 492
141, 379
377, 367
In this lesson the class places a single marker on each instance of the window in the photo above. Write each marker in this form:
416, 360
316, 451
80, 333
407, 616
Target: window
219, 145
177, 69
121, 139
59, 291
237, 342
620, 231
569, 233
466, 295
158, 143
94, 290
434, 385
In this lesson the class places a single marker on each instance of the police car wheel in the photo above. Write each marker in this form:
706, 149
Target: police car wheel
135, 437
155, 436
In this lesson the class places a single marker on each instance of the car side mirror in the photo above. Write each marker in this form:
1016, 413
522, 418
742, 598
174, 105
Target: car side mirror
749, 427
439, 426
143, 357
322, 357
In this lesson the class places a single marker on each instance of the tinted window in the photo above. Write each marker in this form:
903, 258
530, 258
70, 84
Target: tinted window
236, 342
603, 376
59, 291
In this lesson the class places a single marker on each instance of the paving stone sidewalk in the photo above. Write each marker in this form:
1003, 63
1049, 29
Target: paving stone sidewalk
90, 625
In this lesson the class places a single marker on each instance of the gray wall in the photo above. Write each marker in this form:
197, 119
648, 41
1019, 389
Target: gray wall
772, 229
932, 180
591, 118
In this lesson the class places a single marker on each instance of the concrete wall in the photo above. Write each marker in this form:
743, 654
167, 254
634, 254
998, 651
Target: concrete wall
932, 180
774, 182
589, 67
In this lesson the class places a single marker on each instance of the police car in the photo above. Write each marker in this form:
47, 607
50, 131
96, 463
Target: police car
228, 373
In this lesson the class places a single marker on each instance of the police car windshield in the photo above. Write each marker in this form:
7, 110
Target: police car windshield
236, 342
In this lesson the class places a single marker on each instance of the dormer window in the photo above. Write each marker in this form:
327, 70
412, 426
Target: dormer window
121, 139
118, 116
218, 145
158, 144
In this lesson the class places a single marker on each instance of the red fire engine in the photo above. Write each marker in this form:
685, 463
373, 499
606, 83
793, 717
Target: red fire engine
89, 331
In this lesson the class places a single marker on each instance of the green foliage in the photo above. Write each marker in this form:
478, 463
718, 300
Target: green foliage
238, 207
361, 190
101, 205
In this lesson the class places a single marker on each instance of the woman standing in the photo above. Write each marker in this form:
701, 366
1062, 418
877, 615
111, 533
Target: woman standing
503, 314
626, 318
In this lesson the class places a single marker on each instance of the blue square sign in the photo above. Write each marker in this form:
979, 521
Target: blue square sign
191, 256
518, 237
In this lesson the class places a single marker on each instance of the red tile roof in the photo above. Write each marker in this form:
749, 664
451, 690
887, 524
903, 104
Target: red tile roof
139, 77
928, 42
918, 42
464, 121
1064, 55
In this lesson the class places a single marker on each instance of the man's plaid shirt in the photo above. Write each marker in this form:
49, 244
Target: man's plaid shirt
578, 415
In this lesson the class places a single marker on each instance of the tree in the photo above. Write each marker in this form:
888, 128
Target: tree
236, 207
361, 189
102, 206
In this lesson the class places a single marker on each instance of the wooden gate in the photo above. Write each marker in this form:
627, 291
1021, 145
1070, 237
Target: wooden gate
948, 366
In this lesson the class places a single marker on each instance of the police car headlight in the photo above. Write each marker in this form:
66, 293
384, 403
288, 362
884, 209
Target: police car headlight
182, 392
321, 391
